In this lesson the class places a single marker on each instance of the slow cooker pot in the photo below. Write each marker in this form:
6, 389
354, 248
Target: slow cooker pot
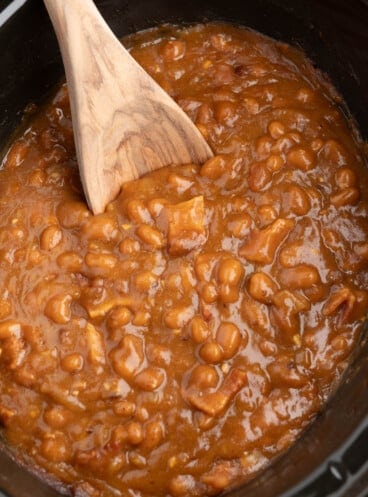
331, 458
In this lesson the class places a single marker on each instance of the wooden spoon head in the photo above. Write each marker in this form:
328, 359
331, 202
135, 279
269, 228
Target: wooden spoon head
124, 124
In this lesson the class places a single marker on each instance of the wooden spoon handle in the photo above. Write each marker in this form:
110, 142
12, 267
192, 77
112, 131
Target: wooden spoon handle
124, 124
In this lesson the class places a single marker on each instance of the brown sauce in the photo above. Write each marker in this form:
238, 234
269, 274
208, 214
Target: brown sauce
177, 343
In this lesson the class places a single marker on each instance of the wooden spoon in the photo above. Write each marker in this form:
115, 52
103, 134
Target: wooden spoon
125, 124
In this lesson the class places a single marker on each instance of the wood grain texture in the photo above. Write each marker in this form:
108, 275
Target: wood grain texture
124, 124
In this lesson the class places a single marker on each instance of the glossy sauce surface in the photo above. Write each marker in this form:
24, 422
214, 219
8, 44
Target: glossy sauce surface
175, 344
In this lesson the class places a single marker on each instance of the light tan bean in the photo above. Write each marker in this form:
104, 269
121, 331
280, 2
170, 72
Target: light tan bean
229, 338
203, 376
96, 346
118, 317
10, 328
301, 158
128, 356
230, 272
181, 485
274, 163
71, 261
141, 318
150, 379
301, 276
124, 408
209, 293
135, 433
178, 316
204, 113
229, 294
145, 281
129, 246
267, 214
57, 417
199, 330
104, 263
219, 477
153, 435
259, 176
101, 227
276, 129
204, 264
58, 308
262, 287
151, 236
138, 212
72, 363
211, 352
156, 205
214, 168
50, 238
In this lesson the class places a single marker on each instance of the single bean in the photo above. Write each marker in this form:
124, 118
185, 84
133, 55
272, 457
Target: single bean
129, 246
229, 338
335, 153
57, 417
199, 330
135, 433
103, 263
345, 178
150, 379
262, 287
214, 168
301, 276
118, 317
209, 293
151, 236
267, 214
178, 316
274, 163
301, 158
276, 129
72, 363
58, 309
101, 227
211, 352
203, 376
225, 112
128, 356
138, 212
71, 261
124, 408
259, 176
